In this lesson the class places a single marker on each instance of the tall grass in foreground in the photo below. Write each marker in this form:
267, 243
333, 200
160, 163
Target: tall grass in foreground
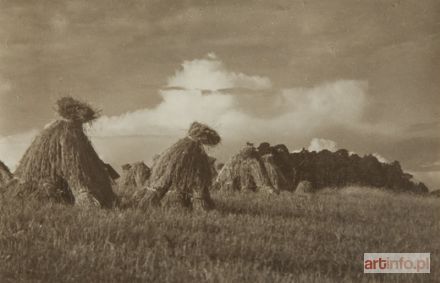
248, 238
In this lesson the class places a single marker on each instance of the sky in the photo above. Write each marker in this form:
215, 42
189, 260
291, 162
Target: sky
360, 75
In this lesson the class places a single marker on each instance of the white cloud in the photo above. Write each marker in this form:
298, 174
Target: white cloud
172, 117
334, 103
380, 158
293, 112
318, 144
210, 73
13, 147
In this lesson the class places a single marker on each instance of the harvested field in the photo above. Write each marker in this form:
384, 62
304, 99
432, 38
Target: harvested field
248, 238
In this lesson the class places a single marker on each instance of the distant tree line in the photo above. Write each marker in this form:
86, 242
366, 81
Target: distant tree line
341, 168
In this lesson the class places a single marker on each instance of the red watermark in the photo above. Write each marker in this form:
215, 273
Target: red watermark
397, 262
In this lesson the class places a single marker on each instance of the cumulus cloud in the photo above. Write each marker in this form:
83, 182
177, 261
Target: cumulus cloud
13, 147
318, 144
206, 90
210, 73
380, 157
290, 112
177, 110
301, 110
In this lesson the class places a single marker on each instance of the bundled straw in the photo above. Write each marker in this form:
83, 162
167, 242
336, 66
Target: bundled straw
114, 175
61, 163
204, 134
304, 187
185, 169
74, 110
135, 175
245, 172
276, 176
5, 174
212, 165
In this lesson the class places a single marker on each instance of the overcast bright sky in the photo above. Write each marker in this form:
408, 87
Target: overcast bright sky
361, 75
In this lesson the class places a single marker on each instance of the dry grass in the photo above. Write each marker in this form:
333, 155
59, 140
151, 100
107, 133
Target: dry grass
5, 174
276, 176
248, 238
204, 134
61, 164
245, 171
185, 168
72, 109
134, 175
63, 158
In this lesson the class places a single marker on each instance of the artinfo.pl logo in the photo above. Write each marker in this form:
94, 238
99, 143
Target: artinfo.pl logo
397, 262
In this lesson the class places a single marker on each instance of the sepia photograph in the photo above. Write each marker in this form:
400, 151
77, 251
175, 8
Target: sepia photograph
219, 141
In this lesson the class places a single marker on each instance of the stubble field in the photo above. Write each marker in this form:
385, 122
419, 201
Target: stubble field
248, 238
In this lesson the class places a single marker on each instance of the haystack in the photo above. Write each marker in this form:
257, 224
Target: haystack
155, 159
245, 171
5, 174
135, 175
219, 166
114, 175
213, 163
304, 187
279, 163
184, 169
276, 176
61, 164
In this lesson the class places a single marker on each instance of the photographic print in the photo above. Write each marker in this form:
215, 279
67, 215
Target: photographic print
219, 141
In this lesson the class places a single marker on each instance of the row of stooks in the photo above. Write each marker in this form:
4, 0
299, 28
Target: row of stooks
61, 165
